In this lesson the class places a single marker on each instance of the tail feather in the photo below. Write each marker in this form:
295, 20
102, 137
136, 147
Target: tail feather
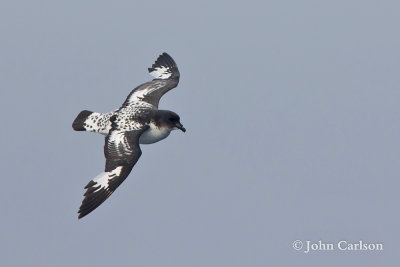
79, 122
92, 122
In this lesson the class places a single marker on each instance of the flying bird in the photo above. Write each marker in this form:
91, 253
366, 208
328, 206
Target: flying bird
137, 121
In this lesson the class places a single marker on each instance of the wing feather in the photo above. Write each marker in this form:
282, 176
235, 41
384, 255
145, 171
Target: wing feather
122, 151
166, 75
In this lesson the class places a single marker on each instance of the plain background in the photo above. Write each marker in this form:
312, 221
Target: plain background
292, 116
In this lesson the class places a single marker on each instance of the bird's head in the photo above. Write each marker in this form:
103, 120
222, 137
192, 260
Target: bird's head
169, 119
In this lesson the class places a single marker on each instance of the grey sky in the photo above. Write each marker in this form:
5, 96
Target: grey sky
292, 117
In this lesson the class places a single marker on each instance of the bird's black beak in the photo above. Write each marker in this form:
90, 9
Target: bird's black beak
180, 126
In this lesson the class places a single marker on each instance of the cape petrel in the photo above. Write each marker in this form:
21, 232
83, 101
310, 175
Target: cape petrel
137, 121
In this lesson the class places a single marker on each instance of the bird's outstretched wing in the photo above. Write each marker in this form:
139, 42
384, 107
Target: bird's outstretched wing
122, 151
166, 75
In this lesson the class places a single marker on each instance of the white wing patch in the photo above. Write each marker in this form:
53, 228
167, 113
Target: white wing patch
166, 75
117, 142
101, 180
161, 72
141, 94
148, 90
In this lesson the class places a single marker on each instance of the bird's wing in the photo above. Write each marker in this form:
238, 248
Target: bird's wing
122, 151
166, 75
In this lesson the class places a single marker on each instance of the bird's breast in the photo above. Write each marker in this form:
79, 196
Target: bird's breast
154, 134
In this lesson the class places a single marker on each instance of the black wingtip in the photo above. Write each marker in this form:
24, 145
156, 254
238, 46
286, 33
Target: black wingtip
93, 199
165, 60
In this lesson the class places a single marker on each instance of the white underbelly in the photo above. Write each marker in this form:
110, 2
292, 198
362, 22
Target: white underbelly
153, 134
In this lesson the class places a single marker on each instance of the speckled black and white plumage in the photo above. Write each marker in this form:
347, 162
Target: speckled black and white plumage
137, 121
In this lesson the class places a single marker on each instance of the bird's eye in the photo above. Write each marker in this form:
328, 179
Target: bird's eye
172, 119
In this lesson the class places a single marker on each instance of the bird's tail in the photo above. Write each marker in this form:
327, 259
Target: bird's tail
93, 122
